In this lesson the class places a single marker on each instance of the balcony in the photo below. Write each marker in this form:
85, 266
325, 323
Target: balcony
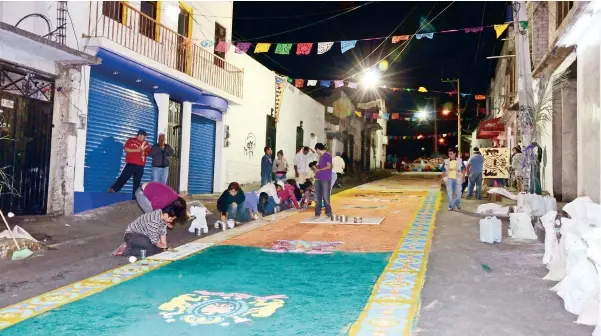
132, 29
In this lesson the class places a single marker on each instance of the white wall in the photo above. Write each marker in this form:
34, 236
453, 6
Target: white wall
249, 121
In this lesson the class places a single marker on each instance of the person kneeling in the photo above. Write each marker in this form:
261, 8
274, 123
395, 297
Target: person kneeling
149, 231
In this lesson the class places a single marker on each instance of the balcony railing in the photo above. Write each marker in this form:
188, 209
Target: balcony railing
130, 28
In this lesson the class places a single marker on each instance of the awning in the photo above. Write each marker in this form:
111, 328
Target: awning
489, 129
336, 135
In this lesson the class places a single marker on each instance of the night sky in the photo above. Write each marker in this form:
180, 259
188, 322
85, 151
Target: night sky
422, 63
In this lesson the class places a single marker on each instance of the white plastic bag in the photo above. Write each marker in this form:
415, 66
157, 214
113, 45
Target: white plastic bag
491, 230
548, 222
520, 226
503, 192
576, 208
579, 284
521, 199
488, 208
18, 232
550, 204
557, 265
537, 203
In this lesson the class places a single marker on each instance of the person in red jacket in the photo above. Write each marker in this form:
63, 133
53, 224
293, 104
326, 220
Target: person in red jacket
136, 150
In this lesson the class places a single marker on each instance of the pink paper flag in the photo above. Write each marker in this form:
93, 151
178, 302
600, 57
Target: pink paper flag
353, 85
221, 46
338, 83
304, 48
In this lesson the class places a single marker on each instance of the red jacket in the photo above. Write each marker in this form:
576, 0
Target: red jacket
288, 194
136, 158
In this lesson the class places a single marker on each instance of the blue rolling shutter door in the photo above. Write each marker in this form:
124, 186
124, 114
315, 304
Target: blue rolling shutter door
115, 113
202, 155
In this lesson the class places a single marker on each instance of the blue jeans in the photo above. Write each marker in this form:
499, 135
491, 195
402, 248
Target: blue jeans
265, 180
475, 179
160, 174
238, 212
322, 193
454, 193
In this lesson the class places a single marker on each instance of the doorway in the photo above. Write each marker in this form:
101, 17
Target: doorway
25, 136
220, 36
174, 139
270, 134
184, 29
300, 135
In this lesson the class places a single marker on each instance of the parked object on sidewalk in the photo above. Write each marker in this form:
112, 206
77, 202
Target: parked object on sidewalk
200, 221
19, 253
520, 226
503, 192
550, 204
491, 230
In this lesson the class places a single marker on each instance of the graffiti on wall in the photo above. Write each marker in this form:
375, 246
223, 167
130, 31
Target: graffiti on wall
250, 144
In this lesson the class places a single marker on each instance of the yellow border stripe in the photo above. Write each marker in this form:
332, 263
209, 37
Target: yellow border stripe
372, 320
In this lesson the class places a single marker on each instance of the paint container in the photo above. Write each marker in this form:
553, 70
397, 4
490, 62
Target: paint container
142, 254
333, 218
197, 232
344, 218
355, 220
359, 220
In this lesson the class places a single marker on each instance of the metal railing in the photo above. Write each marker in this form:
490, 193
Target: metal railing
130, 28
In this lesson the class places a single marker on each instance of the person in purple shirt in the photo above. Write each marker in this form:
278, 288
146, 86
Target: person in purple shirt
153, 196
323, 180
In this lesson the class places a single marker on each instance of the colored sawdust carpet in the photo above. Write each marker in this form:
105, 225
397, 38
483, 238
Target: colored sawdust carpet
303, 246
225, 290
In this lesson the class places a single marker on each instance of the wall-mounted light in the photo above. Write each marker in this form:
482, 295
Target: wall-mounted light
155, 87
138, 80
115, 72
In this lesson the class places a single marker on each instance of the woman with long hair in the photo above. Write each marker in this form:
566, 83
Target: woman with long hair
280, 167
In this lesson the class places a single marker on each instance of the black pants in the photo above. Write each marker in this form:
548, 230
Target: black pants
128, 171
137, 242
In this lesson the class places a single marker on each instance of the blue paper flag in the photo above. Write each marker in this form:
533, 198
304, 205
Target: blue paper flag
325, 83
347, 45
427, 35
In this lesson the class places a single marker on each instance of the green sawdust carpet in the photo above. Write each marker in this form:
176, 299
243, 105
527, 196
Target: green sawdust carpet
226, 290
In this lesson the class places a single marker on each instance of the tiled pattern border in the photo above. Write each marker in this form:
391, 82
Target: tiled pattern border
394, 303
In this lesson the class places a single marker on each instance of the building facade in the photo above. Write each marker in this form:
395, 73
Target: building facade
160, 69
565, 41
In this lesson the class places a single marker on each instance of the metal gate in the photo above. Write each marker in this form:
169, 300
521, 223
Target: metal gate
25, 137
174, 139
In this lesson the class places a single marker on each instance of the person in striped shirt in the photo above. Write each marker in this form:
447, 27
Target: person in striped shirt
149, 231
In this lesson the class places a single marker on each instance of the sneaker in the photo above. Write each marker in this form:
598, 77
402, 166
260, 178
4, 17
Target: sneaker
458, 207
450, 209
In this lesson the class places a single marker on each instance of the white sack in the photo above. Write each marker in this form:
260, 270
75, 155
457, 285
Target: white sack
550, 204
520, 226
18, 232
576, 208
548, 222
503, 192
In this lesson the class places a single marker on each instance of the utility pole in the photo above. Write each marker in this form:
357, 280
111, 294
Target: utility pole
452, 81
525, 92
435, 124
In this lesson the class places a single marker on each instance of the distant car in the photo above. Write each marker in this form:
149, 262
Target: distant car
421, 165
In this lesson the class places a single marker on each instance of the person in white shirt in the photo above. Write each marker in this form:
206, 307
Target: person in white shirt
272, 190
301, 164
338, 167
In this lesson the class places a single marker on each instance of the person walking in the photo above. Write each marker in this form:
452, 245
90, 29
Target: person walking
453, 178
280, 167
266, 166
475, 165
136, 151
323, 180
302, 159
339, 166
161, 154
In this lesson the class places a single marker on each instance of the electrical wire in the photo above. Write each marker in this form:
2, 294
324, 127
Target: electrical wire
72, 26
275, 17
311, 24
48, 24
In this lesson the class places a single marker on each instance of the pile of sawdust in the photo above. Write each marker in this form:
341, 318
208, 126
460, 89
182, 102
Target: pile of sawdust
7, 246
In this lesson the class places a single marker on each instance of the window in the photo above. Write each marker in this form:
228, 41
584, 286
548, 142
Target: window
220, 36
113, 10
563, 8
148, 21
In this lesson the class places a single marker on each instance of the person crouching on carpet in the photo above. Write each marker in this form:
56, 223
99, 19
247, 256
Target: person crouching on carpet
231, 204
153, 196
266, 204
287, 196
149, 231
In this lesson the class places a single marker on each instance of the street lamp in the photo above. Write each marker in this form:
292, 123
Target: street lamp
422, 115
371, 78
446, 112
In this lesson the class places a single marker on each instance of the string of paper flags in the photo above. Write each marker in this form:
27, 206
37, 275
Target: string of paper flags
420, 137
377, 115
300, 83
320, 48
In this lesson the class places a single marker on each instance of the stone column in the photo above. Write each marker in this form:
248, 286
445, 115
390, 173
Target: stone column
556, 140
66, 120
